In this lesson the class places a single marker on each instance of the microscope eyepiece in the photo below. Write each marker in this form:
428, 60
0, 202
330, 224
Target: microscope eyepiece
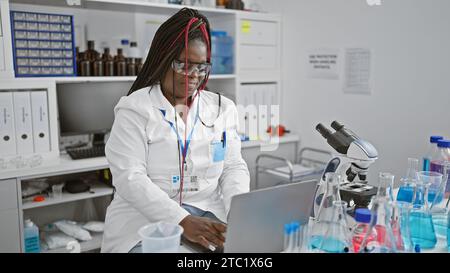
336, 125
323, 130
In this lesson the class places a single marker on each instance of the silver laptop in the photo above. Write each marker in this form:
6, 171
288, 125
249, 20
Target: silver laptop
256, 219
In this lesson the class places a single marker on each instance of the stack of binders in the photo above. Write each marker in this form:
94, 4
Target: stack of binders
24, 123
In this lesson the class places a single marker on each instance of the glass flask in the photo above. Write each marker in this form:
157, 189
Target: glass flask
421, 223
386, 185
380, 223
326, 194
332, 235
406, 190
400, 226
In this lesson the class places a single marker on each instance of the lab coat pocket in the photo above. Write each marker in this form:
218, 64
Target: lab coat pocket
216, 159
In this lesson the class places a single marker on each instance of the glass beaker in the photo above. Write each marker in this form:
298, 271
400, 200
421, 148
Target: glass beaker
400, 226
421, 223
435, 187
386, 184
380, 224
406, 190
160, 237
334, 233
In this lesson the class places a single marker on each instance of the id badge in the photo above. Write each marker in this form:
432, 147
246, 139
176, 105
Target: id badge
190, 183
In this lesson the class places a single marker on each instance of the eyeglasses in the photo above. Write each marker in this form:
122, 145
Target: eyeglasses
202, 68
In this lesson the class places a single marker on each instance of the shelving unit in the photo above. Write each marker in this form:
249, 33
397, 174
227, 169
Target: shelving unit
85, 246
108, 21
96, 191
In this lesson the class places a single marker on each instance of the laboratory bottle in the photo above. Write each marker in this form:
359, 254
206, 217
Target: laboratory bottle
108, 63
420, 219
120, 66
437, 165
380, 224
408, 183
98, 67
138, 65
386, 185
134, 51
31, 235
332, 235
362, 226
131, 67
431, 151
286, 236
77, 59
326, 194
91, 54
85, 65
125, 45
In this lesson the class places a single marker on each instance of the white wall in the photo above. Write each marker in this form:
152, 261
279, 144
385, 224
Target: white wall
410, 81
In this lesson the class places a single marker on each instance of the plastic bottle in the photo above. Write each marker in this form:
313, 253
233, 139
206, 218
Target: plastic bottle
437, 164
432, 150
31, 235
125, 45
134, 51
362, 226
221, 53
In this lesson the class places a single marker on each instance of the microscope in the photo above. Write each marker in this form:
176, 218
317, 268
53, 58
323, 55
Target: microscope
352, 162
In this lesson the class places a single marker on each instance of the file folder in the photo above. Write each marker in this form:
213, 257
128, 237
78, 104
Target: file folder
22, 117
7, 130
39, 110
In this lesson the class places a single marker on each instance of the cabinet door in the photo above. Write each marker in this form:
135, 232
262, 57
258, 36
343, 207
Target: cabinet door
258, 57
9, 231
8, 194
258, 32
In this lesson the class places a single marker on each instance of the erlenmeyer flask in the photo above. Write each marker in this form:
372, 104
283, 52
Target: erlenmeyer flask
400, 226
327, 192
330, 194
421, 223
407, 184
334, 235
380, 223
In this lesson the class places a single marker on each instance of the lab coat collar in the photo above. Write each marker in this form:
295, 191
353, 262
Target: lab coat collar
165, 108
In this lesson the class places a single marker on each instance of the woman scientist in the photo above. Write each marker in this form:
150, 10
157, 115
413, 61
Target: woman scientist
174, 151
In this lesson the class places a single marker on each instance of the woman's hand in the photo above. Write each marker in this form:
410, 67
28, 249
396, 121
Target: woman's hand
203, 230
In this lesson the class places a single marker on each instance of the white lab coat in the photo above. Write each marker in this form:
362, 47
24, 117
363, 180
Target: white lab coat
142, 153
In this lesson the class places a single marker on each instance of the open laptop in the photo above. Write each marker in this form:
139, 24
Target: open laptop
256, 219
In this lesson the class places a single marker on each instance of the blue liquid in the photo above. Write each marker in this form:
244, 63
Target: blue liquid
440, 224
330, 245
422, 230
426, 164
405, 194
432, 195
448, 237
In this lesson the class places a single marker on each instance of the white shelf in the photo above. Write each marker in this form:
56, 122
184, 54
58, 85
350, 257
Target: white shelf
96, 190
119, 79
95, 243
133, 5
62, 165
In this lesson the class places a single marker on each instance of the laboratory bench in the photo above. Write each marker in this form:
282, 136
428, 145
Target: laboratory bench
14, 209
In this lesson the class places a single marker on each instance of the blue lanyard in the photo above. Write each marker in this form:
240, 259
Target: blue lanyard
188, 141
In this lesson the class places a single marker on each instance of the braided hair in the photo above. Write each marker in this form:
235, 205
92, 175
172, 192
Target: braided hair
168, 44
